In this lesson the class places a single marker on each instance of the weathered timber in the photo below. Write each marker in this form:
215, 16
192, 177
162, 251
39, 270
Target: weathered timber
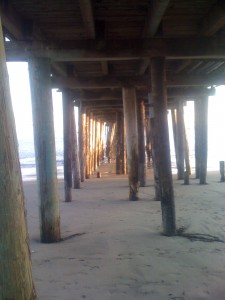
148, 142
174, 124
161, 145
76, 176
180, 140
119, 144
186, 152
15, 262
203, 141
130, 115
215, 19
171, 48
88, 18
197, 137
138, 81
124, 148
141, 141
91, 121
82, 141
67, 144
87, 131
156, 11
153, 136
94, 145
45, 153
222, 177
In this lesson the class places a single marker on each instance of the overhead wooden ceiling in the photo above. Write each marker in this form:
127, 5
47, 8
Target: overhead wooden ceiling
100, 44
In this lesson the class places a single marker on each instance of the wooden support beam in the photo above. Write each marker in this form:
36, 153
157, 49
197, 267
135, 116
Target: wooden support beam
76, 175
138, 81
180, 140
197, 138
130, 115
45, 153
15, 275
105, 67
156, 11
82, 141
11, 21
203, 140
116, 50
59, 69
141, 141
87, 132
162, 148
215, 19
143, 66
67, 143
88, 18
119, 143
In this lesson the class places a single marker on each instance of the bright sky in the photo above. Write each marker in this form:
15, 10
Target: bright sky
20, 92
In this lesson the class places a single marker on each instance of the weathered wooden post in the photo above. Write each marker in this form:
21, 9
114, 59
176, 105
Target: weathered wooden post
44, 142
91, 142
130, 115
148, 142
75, 155
15, 263
141, 141
119, 143
203, 139
161, 144
87, 131
174, 123
153, 136
186, 158
67, 143
222, 177
180, 140
82, 140
197, 137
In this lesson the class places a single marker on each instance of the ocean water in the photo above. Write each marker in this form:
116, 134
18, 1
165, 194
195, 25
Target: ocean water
27, 158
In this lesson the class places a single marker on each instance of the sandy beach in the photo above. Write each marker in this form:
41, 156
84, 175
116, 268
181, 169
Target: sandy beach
119, 251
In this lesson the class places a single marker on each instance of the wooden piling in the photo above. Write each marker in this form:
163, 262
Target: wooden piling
67, 144
130, 115
76, 176
81, 140
174, 123
119, 143
203, 140
15, 274
45, 153
180, 140
197, 137
87, 130
161, 146
141, 141
222, 177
